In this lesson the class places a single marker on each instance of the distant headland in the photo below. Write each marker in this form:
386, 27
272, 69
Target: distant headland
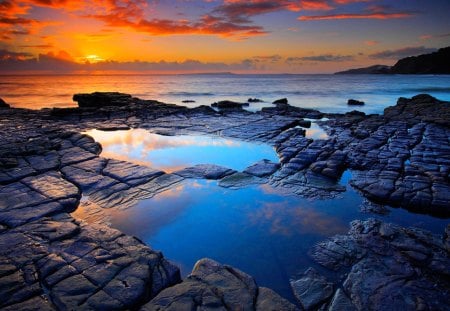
433, 63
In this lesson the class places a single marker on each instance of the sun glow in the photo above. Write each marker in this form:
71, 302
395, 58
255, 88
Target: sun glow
91, 58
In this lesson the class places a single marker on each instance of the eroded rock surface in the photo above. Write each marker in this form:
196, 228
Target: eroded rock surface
212, 286
49, 260
383, 267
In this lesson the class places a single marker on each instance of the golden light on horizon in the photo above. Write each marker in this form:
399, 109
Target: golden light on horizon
91, 58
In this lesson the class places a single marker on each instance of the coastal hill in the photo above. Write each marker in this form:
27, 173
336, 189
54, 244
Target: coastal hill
433, 63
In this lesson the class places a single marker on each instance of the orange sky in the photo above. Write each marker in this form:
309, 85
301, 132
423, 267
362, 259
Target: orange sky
296, 36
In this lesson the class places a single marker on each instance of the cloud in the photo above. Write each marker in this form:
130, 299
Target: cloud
371, 12
429, 36
356, 16
402, 53
371, 42
320, 58
62, 62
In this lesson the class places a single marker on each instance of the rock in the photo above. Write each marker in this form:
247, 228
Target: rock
354, 102
239, 180
3, 104
212, 286
312, 289
375, 69
282, 101
102, 99
255, 100
386, 267
228, 104
340, 301
262, 168
433, 63
205, 171
188, 101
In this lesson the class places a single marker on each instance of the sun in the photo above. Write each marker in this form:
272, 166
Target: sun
91, 58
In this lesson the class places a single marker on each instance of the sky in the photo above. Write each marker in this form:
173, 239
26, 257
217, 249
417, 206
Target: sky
186, 36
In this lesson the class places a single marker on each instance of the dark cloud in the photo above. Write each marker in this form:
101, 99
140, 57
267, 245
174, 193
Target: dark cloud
402, 53
320, 58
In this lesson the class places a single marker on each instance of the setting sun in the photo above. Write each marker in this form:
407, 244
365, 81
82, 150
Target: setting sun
92, 58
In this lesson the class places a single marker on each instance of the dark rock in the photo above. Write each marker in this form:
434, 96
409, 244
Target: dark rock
354, 102
188, 101
281, 101
212, 286
312, 289
386, 267
255, 100
228, 104
102, 99
3, 104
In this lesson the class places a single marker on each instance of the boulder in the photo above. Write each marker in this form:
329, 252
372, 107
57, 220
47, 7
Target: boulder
312, 289
282, 101
262, 168
188, 101
228, 104
101, 99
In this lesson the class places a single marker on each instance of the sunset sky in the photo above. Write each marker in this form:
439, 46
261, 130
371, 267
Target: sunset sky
255, 36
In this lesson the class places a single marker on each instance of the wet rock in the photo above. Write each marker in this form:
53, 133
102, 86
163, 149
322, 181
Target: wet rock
255, 100
262, 168
3, 104
354, 102
228, 104
312, 289
205, 171
282, 101
212, 286
102, 99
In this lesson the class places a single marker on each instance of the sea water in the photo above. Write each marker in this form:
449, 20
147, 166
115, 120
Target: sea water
328, 93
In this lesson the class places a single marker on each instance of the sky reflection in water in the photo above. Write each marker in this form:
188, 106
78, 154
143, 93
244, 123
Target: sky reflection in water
171, 153
257, 229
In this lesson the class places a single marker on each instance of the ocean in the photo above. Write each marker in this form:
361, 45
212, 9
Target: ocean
328, 93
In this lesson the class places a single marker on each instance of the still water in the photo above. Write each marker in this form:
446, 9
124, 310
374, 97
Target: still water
259, 229
171, 153
328, 93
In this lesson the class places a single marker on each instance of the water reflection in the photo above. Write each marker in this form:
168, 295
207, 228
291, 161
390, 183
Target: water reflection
171, 153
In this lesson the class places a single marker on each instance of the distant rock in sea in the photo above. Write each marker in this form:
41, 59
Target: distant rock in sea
3, 104
100, 99
188, 101
433, 63
255, 100
354, 102
376, 69
228, 104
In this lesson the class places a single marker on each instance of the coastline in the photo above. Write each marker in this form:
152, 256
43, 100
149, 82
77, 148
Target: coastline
46, 165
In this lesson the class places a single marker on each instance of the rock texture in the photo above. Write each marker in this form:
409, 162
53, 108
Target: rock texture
383, 267
48, 260
212, 286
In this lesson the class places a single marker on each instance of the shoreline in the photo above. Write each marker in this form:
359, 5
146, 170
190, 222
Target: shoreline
44, 172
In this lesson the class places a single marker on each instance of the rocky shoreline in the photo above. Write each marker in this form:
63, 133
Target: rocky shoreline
49, 260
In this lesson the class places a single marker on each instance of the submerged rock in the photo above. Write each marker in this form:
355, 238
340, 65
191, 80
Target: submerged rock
205, 171
312, 289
